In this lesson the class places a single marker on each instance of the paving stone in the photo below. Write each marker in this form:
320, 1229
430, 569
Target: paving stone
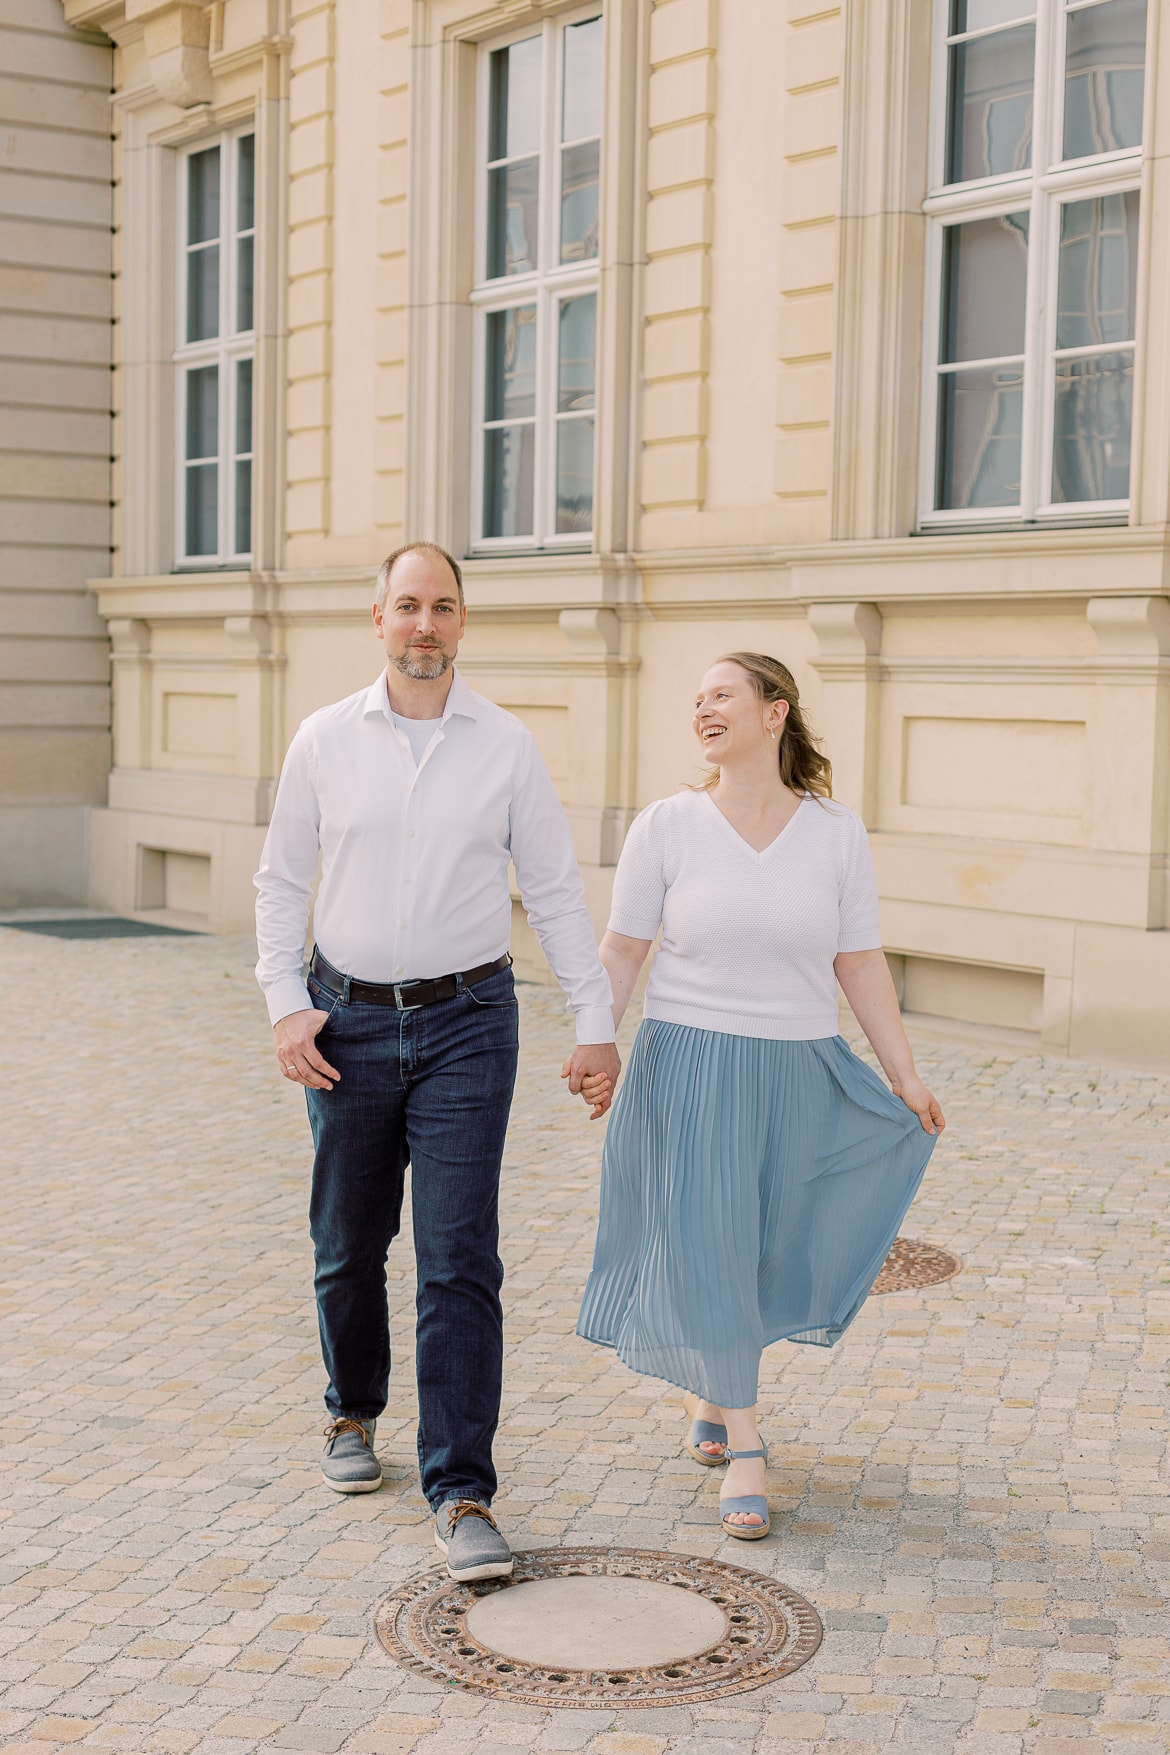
971, 1486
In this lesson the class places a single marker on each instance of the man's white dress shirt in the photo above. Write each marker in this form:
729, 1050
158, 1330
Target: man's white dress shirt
414, 857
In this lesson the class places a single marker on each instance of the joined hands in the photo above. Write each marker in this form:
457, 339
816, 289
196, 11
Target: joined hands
592, 1071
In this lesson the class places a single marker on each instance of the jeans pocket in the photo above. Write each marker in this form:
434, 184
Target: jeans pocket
323, 1000
496, 994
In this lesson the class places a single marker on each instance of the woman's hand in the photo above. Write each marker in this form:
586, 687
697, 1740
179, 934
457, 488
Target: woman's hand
924, 1104
597, 1090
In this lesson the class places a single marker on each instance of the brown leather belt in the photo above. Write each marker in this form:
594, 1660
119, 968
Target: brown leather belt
406, 996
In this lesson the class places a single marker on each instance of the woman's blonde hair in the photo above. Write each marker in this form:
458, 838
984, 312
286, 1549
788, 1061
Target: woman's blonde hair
803, 765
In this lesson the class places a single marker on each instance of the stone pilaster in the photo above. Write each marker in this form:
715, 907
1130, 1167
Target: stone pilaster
680, 169
809, 201
310, 266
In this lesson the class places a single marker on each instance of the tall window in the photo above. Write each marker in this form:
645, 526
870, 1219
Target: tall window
1034, 248
216, 345
536, 291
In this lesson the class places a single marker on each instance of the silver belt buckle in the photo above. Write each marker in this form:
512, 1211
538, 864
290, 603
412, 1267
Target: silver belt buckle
400, 1002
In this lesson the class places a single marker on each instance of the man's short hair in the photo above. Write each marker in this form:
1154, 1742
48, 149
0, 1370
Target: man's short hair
415, 548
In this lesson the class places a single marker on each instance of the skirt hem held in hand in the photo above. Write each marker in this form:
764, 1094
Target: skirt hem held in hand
750, 1192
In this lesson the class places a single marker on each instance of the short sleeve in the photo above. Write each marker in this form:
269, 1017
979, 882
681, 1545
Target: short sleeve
639, 885
859, 927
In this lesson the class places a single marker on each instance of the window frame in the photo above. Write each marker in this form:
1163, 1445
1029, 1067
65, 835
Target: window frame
225, 350
1042, 191
545, 287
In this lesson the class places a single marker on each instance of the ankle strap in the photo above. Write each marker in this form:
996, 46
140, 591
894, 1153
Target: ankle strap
739, 1455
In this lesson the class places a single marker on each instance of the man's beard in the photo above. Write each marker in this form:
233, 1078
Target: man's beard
422, 666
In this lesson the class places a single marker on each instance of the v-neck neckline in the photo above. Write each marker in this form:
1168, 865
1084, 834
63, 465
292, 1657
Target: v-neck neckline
757, 853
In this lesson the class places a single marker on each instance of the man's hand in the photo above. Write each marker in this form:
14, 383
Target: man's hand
600, 1064
295, 1038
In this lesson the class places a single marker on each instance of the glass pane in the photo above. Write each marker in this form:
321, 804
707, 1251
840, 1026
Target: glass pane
203, 293
243, 508
580, 172
985, 282
202, 522
575, 351
203, 196
513, 218
982, 14
203, 412
246, 183
243, 408
508, 455
514, 119
581, 108
510, 390
979, 437
1097, 285
1094, 408
1103, 78
245, 255
574, 476
989, 131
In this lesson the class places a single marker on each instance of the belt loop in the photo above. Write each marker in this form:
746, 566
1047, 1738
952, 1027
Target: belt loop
458, 985
345, 989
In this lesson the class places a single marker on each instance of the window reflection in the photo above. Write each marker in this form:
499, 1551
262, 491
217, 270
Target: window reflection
513, 220
991, 105
1094, 414
1104, 78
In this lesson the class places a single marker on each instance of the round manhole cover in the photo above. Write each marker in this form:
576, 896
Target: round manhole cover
586, 1626
911, 1263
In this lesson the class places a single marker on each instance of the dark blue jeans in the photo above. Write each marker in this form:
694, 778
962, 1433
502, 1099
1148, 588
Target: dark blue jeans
431, 1088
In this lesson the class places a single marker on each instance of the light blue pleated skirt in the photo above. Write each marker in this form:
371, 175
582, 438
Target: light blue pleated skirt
750, 1192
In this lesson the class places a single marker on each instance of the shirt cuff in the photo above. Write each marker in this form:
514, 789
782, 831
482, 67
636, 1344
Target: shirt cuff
595, 1024
285, 996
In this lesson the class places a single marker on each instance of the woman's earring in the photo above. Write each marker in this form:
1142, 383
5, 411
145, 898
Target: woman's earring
772, 732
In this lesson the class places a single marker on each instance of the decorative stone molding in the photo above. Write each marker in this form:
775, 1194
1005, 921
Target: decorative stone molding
1133, 628
177, 39
596, 632
878, 346
849, 638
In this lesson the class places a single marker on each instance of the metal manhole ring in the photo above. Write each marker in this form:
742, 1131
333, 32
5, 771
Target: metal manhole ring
911, 1263
771, 1631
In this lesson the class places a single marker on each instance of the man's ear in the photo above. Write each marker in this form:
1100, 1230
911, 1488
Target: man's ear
376, 612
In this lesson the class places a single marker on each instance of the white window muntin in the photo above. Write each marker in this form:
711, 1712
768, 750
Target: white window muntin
229, 352
1041, 193
545, 289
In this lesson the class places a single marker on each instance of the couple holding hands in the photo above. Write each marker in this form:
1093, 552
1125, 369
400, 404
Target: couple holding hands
755, 1171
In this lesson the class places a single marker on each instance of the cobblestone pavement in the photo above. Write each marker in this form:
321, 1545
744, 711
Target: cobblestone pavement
970, 1487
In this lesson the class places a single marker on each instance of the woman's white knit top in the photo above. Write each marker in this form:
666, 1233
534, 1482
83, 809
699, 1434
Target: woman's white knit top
748, 939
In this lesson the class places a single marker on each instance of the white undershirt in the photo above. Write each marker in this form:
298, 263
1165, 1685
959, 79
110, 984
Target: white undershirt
748, 939
419, 733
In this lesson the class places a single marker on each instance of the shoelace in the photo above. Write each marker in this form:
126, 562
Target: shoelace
472, 1508
337, 1427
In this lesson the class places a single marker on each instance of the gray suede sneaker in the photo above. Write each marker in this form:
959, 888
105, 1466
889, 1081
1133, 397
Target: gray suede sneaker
466, 1533
348, 1462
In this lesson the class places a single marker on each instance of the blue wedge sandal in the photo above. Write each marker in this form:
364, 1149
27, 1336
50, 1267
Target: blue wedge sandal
707, 1432
754, 1504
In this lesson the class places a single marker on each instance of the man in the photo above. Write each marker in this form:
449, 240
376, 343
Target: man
415, 794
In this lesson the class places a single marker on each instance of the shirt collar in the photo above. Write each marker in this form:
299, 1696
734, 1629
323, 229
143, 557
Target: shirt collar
460, 699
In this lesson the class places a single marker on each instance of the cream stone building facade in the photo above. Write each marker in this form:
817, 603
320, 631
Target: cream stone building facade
693, 325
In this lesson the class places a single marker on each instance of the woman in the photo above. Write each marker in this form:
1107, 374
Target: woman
755, 1171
